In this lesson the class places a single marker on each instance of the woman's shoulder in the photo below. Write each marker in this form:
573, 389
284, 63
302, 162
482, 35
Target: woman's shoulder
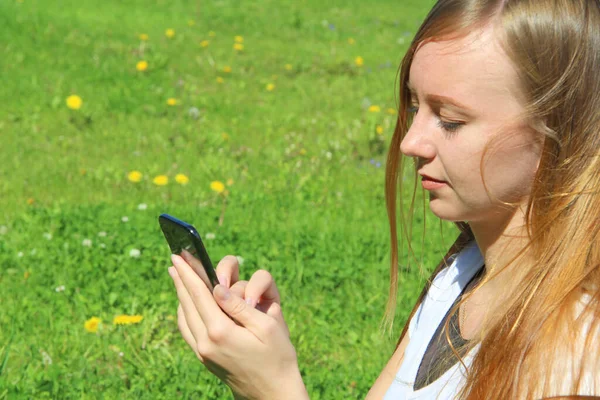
574, 360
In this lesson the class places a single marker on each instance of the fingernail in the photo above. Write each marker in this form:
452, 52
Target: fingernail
173, 258
249, 301
222, 292
222, 280
172, 272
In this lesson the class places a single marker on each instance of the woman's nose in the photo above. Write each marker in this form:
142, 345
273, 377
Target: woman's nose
418, 141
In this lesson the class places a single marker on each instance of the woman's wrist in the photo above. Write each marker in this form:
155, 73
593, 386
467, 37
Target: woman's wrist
290, 388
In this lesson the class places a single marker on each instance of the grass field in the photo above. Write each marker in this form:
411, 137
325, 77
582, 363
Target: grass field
290, 106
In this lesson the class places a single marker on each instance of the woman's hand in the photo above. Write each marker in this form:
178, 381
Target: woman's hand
251, 351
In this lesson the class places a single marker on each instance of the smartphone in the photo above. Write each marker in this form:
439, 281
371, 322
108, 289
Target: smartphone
184, 240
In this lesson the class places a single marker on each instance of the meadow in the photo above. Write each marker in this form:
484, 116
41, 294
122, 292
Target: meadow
265, 124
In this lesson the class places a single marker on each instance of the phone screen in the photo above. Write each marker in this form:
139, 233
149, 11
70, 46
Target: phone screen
185, 241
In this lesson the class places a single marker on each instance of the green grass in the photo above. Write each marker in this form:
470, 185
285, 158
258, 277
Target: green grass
307, 199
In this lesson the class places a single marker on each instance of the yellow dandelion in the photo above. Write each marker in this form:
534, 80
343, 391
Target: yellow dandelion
82, 171
217, 186
374, 109
191, 22
379, 129
351, 41
91, 325
74, 102
227, 69
30, 201
225, 136
26, 275
143, 37
182, 179
288, 67
229, 182
134, 176
270, 87
302, 151
127, 319
204, 43
171, 101
212, 34
359, 61
238, 46
238, 39
391, 111
141, 65
170, 33
161, 180
220, 80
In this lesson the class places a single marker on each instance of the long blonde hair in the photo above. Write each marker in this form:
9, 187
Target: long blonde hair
555, 47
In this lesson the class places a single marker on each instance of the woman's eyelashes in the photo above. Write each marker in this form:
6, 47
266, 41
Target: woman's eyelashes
450, 128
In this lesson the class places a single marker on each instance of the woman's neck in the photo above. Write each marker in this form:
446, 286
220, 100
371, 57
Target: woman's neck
499, 241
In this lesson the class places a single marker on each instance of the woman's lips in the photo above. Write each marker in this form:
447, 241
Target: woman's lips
429, 183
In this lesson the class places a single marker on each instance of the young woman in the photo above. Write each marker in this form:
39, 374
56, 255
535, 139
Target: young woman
500, 112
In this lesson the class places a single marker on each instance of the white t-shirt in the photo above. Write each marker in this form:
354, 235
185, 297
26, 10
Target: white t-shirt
444, 290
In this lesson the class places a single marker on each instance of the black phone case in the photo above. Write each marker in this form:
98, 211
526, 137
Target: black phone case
182, 236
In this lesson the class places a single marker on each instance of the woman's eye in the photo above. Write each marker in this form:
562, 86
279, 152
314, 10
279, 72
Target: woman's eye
412, 109
450, 127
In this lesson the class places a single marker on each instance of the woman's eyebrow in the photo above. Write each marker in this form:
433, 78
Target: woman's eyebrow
440, 100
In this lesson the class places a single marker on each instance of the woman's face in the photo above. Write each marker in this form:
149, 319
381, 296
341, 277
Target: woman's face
465, 95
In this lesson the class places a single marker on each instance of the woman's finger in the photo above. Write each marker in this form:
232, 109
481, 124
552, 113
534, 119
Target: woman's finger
197, 295
274, 310
186, 332
262, 287
228, 271
239, 288
193, 320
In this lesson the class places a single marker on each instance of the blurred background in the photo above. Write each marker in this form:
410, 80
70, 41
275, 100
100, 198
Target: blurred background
265, 124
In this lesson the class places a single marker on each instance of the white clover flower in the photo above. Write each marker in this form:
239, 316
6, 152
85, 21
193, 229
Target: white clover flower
194, 113
3, 230
86, 242
135, 253
46, 359
328, 155
121, 354
142, 206
102, 234
20, 254
209, 236
125, 218
240, 260
60, 288
48, 235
